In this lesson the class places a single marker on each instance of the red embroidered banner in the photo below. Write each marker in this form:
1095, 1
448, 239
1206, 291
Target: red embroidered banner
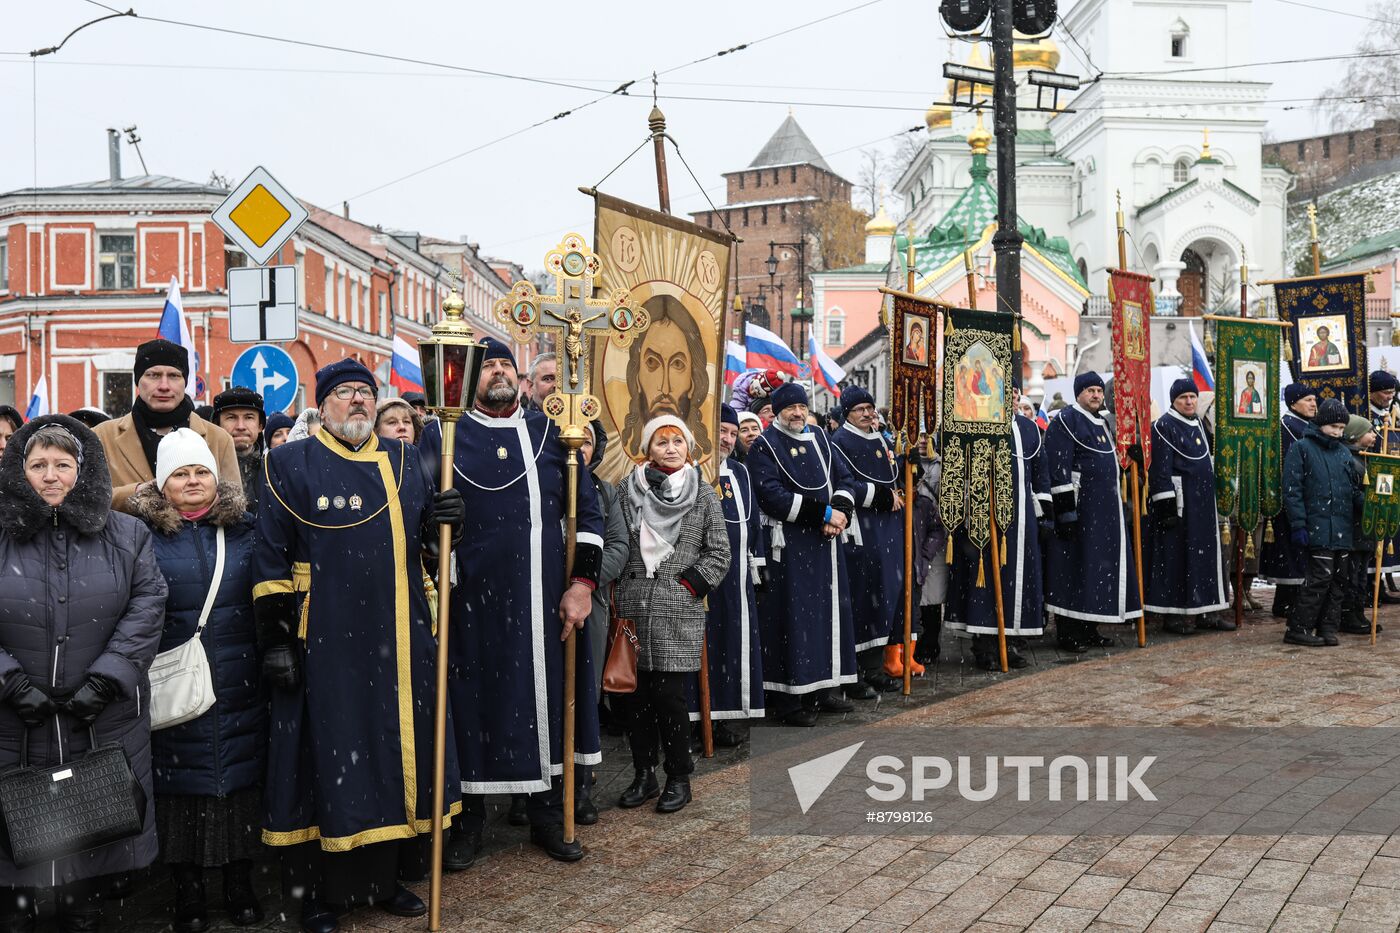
1131, 296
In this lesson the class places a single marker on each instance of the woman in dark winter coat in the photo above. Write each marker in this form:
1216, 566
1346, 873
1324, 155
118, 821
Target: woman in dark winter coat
208, 771
679, 551
81, 603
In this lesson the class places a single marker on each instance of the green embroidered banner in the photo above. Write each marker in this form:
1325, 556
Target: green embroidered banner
1380, 517
1248, 462
977, 421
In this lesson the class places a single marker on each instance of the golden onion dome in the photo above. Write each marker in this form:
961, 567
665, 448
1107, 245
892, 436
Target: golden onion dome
979, 92
881, 224
938, 116
1042, 54
979, 139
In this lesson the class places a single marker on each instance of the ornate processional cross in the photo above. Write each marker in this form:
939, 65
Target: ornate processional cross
572, 315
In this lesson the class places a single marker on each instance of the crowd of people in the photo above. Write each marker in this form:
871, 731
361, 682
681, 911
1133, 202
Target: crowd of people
304, 553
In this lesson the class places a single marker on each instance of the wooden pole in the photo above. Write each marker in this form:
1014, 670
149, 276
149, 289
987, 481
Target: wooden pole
971, 280
1239, 577
1313, 242
1136, 489
996, 580
707, 726
449, 438
572, 444
910, 446
657, 122
1376, 590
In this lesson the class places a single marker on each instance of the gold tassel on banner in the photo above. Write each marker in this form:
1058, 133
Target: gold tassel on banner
1390, 547
1249, 547
981, 569
949, 560
1016, 338
1225, 535
1207, 340
1287, 348
1269, 533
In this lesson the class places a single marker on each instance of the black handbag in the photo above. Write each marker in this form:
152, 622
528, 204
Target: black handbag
85, 803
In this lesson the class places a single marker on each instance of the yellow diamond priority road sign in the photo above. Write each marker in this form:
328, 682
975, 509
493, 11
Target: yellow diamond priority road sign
259, 215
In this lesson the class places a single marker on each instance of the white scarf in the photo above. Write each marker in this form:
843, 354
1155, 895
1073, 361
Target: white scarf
659, 518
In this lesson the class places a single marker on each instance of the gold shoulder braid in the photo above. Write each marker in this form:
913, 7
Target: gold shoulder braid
398, 485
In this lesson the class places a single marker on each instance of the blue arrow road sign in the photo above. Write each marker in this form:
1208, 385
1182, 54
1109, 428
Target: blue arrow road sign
269, 371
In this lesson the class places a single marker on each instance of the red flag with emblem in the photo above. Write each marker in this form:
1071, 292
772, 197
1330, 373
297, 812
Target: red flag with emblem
1131, 297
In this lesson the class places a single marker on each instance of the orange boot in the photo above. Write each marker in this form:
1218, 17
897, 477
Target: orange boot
915, 668
894, 664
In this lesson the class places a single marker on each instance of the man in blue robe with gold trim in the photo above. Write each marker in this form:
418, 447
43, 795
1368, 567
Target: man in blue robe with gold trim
511, 608
731, 623
875, 561
1184, 573
348, 647
1090, 576
809, 649
1384, 413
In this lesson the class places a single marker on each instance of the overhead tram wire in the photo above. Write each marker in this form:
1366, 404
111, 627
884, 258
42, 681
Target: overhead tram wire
1323, 9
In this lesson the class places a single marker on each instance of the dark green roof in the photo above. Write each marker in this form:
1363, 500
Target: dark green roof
963, 225
1153, 203
861, 269
1238, 190
1367, 247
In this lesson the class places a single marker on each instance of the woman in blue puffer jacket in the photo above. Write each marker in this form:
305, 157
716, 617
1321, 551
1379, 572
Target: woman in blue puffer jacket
208, 771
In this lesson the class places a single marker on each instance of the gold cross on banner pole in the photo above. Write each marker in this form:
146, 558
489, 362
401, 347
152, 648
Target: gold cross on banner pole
577, 315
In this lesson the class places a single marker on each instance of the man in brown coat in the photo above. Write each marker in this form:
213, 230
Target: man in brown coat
130, 442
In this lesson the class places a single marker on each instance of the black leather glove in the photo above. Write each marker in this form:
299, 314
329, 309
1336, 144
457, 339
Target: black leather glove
1135, 455
31, 704
91, 698
281, 667
1164, 512
448, 508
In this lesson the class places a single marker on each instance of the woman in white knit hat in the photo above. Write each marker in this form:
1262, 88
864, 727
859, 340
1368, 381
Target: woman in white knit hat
208, 771
679, 552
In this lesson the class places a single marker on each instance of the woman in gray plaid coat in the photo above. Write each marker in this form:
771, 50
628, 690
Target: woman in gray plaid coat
679, 551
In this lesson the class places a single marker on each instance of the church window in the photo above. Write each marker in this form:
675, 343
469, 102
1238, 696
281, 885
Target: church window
1351, 143
776, 179
1078, 193
794, 174
764, 221
782, 213
741, 181
1178, 35
835, 331
1083, 269
758, 179
1178, 46
1180, 171
1327, 147
1303, 149
746, 217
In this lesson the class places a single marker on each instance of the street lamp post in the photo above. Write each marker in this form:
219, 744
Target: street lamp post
800, 315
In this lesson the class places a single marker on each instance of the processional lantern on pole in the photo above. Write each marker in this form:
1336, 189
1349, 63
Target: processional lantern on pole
576, 316
451, 364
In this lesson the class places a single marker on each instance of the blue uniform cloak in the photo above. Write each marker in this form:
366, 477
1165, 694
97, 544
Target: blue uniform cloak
808, 641
1390, 554
1091, 575
507, 659
1183, 570
732, 640
972, 608
875, 560
1280, 561
350, 752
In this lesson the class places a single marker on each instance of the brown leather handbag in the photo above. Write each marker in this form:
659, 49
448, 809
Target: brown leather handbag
620, 671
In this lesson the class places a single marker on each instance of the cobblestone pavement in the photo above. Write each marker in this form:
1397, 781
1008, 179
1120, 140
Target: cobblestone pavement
700, 870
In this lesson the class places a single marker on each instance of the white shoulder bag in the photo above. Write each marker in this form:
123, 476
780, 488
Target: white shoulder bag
182, 687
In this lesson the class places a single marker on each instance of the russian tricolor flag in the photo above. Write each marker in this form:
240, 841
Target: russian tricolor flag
405, 373
39, 401
174, 328
766, 350
825, 372
1200, 367
734, 361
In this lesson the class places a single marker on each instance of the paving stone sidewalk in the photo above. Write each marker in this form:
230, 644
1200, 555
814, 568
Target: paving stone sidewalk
700, 870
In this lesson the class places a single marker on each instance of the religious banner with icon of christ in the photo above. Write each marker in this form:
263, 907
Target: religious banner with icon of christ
1130, 294
1328, 337
678, 273
975, 430
1248, 459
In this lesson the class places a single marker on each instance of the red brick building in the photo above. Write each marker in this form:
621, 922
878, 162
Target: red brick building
84, 270
1319, 162
769, 202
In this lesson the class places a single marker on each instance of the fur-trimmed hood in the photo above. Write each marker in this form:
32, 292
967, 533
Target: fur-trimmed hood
158, 512
23, 512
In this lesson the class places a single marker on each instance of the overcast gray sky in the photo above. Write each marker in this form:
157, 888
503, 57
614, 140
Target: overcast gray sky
333, 126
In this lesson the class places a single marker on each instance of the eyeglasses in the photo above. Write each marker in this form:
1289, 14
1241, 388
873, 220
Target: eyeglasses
346, 393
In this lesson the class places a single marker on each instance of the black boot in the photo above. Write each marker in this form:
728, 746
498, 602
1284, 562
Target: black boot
642, 789
551, 839
830, 700
461, 850
860, 690
517, 816
675, 796
17, 911
191, 911
585, 810
1297, 636
317, 917
240, 901
926, 647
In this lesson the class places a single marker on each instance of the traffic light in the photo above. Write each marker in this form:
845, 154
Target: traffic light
965, 15
1033, 17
